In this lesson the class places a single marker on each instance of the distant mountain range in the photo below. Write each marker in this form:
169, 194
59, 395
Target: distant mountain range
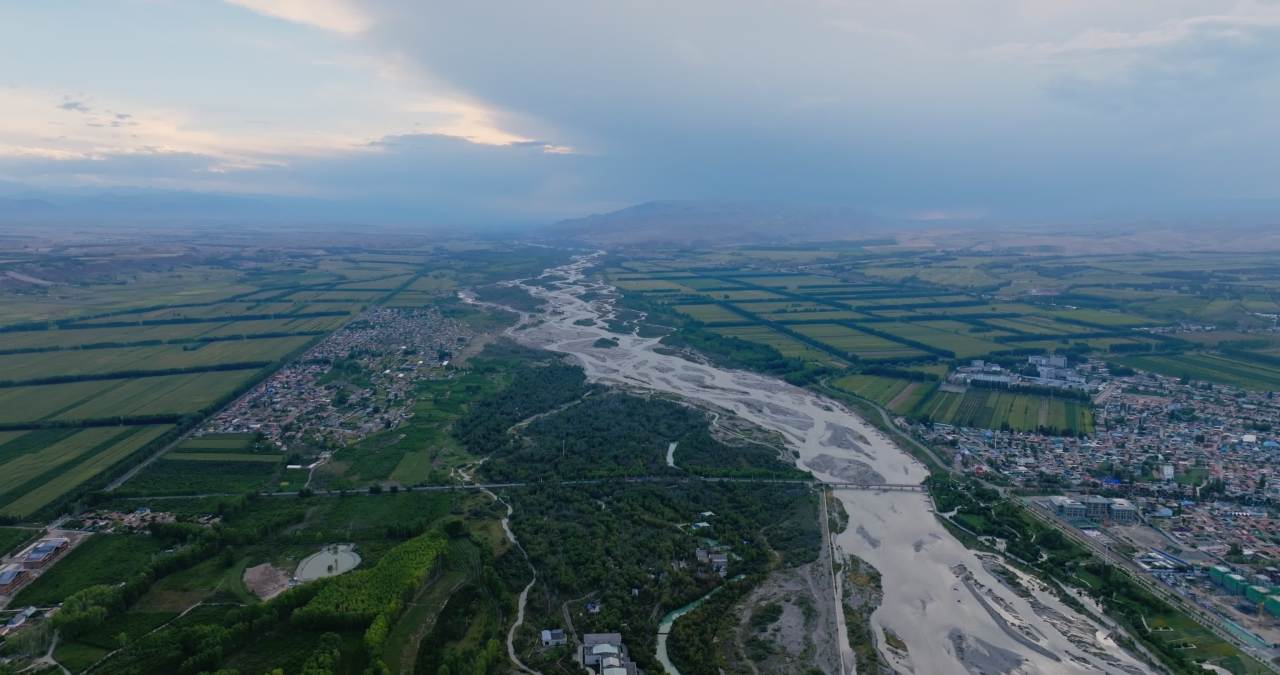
700, 223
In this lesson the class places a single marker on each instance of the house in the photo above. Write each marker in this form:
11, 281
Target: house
553, 638
604, 654
11, 576
720, 563
44, 552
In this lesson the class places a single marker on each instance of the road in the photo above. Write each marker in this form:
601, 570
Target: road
481, 487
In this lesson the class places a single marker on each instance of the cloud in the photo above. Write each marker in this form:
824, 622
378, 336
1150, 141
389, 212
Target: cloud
74, 106
338, 16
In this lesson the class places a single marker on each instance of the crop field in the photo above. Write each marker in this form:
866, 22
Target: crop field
261, 458
895, 394
783, 307
82, 465
992, 409
155, 395
786, 345
863, 345
792, 281
216, 443
1235, 371
833, 315
964, 346
709, 313
189, 473
702, 284
750, 294
648, 285
99, 361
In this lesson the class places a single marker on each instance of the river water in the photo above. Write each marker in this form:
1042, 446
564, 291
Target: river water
939, 597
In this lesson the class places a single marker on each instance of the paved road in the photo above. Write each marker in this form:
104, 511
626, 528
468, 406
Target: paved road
870, 487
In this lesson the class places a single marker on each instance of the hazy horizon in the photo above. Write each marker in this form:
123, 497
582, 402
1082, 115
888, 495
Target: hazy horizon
499, 115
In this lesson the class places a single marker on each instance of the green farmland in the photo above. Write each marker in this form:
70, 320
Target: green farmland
41, 467
863, 345
1260, 373
993, 409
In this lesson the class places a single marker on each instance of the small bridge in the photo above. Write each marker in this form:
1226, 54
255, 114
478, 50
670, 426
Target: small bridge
878, 487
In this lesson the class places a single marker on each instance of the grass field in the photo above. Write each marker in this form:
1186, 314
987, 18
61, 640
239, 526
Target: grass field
1227, 370
260, 458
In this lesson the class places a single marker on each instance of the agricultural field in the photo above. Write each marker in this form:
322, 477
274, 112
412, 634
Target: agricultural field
163, 357
45, 473
786, 345
709, 313
993, 409
944, 336
897, 395
188, 473
99, 399
1261, 373
793, 317
863, 345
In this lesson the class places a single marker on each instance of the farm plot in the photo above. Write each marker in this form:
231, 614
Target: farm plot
863, 345
648, 285
786, 345
743, 295
963, 346
787, 307
436, 283
98, 361
216, 443
832, 315
792, 281
993, 409
709, 313
1240, 372
187, 473
898, 395
315, 323
1101, 317
228, 310
702, 284
76, 462
169, 394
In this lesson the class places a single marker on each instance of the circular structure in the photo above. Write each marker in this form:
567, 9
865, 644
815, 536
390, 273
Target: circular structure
329, 561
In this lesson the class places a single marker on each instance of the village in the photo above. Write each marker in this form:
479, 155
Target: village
357, 381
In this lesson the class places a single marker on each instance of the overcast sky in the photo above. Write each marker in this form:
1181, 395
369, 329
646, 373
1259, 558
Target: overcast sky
528, 110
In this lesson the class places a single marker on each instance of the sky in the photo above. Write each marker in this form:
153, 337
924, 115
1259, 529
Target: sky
484, 112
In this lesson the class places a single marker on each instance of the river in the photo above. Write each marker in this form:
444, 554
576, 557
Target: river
939, 597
